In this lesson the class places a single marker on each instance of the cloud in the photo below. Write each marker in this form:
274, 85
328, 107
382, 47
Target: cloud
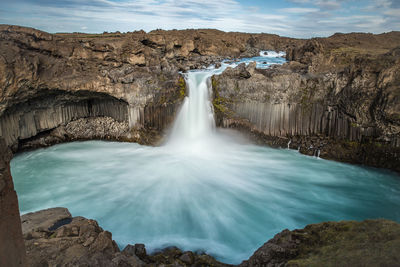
298, 10
395, 12
300, 1
295, 18
328, 5
395, 4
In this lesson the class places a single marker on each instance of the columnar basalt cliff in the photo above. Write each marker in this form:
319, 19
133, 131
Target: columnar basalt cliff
337, 98
50, 80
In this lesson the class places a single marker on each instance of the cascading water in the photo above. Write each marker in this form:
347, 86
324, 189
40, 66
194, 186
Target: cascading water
203, 190
195, 121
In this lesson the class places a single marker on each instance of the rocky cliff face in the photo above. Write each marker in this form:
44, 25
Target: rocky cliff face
336, 99
12, 249
50, 80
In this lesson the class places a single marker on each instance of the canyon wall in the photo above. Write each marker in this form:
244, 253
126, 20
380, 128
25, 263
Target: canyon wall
50, 80
63, 87
331, 101
338, 96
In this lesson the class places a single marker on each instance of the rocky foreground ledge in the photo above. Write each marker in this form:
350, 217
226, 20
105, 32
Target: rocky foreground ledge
54, 238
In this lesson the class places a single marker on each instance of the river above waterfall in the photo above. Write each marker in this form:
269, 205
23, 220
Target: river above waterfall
205, 189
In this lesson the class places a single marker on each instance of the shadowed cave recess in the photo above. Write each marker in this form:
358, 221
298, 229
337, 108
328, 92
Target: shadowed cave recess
23, 123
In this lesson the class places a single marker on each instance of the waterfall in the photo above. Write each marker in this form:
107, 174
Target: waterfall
196, 118
195, 123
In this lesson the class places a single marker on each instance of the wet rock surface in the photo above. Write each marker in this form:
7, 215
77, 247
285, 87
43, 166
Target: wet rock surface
54, 238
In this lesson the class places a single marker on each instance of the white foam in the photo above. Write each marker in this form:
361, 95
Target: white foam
272, 54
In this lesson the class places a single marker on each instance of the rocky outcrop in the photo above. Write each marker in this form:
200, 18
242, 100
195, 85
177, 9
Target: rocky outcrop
339, 103
54, 238
347, 243
12, 249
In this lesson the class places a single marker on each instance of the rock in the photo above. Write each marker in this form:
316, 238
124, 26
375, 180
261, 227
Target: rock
45, 220
104, 244
330, 98
121, 260
54, 241
347, 243
129, 250
187, 257
136, 250
12, 249
55, 238
140, 250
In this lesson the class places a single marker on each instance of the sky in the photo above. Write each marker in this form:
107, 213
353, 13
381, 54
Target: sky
292, 18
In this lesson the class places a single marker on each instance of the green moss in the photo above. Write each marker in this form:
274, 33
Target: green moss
219, 102
214, 83
378, 144
182, 87
351, 143
163, 100
53, 235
